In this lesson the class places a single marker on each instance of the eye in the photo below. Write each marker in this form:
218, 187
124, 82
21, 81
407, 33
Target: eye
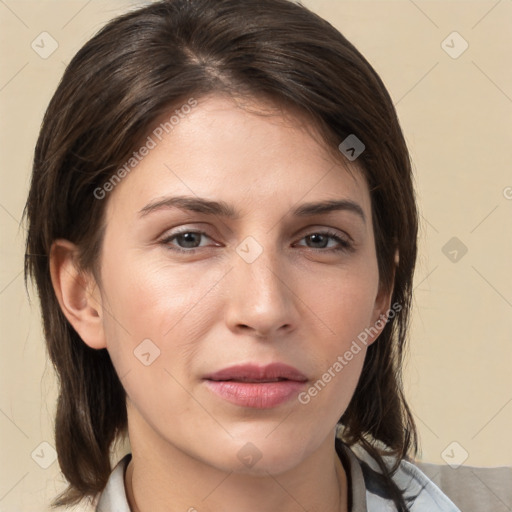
187, 240
322, 238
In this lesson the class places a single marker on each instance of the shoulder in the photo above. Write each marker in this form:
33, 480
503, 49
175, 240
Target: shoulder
113, 496
421, 493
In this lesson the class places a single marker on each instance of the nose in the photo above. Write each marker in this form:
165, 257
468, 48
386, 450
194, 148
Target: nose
261, 301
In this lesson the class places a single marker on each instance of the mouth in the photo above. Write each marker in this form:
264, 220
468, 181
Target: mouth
274, 372
259, 387
247, 379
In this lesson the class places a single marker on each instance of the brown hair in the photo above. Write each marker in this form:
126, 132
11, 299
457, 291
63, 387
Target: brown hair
139, 66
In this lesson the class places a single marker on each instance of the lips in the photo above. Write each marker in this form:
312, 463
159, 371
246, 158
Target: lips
257, 387
274, 372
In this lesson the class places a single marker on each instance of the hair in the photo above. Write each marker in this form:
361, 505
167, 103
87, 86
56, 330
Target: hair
138, 67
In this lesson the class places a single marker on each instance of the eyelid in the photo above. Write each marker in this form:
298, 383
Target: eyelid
318, 228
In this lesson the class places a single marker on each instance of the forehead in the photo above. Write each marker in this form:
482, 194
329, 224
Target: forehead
250, 155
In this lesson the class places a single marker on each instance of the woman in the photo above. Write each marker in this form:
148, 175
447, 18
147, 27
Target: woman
222, 230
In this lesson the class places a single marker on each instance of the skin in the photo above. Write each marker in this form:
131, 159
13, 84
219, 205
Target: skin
296, 303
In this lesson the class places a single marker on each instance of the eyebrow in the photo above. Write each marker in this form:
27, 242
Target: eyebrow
223, 209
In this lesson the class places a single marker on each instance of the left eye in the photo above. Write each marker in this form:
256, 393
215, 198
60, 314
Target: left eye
189, 241
323, 237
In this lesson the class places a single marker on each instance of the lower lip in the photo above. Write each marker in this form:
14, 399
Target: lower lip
258, 395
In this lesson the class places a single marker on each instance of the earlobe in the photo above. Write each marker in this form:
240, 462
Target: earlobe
77, 293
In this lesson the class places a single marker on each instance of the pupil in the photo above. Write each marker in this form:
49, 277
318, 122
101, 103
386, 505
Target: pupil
188, 238
313, 237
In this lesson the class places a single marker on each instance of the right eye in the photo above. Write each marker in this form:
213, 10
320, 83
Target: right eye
187, 241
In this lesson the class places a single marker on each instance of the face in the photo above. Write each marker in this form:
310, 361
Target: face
230, 315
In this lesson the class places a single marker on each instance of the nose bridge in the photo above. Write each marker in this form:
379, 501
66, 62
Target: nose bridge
261, 265
260, 296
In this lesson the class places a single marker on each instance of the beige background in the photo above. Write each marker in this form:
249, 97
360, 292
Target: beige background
457, 117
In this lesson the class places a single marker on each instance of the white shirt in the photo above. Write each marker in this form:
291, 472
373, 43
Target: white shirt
365, 489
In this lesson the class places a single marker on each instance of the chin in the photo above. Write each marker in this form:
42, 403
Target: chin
259, 456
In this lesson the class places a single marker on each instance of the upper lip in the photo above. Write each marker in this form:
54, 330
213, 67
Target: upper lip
255, 373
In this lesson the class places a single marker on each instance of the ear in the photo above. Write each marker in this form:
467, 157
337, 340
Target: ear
382, 307
78, 294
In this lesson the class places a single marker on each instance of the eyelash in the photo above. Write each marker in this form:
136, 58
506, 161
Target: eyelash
345, 245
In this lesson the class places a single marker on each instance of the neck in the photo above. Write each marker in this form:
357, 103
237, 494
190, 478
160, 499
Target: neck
161, 478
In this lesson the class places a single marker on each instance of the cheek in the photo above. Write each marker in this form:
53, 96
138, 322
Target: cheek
345, 300
152, 297
151, 335
339, 355
343, 305
157, 309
